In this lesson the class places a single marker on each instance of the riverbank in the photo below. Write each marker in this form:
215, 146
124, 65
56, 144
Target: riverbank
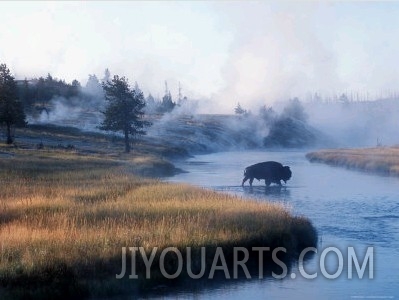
66, 214
381, 160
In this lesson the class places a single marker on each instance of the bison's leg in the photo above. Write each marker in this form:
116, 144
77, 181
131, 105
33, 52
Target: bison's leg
267, 182
243, 181
251, 180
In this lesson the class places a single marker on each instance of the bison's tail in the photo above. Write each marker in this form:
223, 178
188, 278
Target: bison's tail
245, 172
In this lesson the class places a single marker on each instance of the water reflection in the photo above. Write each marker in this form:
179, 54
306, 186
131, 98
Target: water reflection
274, 191
185, 287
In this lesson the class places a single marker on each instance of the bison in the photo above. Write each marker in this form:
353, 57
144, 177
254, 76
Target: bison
270, 171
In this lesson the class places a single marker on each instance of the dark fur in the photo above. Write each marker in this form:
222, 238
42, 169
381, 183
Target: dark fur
270, 171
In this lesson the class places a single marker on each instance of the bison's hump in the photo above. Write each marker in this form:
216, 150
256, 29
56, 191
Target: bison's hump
266, 164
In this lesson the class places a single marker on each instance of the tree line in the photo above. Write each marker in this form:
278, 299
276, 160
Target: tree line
124, 105
36, 94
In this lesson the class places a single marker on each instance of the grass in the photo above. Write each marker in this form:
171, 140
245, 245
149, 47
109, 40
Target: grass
52, 137
382, 160
64, 218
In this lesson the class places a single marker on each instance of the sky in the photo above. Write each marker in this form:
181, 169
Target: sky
222, 52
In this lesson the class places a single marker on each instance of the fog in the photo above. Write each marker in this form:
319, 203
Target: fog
68, 112
333, 123
282, 51
198, 133
364, 123
255, 53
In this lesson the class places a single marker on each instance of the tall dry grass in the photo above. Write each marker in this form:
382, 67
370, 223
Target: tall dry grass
383, 160
64, 219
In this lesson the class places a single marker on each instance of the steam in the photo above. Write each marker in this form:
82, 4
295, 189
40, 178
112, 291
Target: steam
252, 52
199, 133
335, 123
256, 53
357, 124
71, 112
286, 50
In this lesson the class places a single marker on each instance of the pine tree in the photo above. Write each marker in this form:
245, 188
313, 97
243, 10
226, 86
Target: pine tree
93, 85
107, 76
124, 111
24, 94
239, 110
295, 110
11, 109
167, 104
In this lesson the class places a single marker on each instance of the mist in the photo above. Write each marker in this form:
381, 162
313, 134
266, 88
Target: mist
357, 124
185, 127
68, 112
287, 50
338, 122
255, 53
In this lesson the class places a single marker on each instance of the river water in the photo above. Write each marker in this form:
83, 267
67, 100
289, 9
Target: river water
348, 208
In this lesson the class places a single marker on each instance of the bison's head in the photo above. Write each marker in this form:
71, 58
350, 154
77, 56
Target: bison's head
286, 174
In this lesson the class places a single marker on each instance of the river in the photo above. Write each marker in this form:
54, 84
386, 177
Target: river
348, 208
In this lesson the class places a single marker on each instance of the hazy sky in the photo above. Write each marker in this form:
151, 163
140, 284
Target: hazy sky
251, 52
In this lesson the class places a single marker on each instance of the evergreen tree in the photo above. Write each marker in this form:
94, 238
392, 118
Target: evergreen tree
24, 94
267, 114
11, 109
107, 75
137, 88
124, 111
239, 110
42, 94
167, 104
93, 85
150, 104
74, 89
150, 100
295, 110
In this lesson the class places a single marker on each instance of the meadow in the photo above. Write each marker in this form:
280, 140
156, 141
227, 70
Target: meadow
382, 160
64, 217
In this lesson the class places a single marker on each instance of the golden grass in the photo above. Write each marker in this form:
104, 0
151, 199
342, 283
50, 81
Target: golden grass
383, 160
63, 211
